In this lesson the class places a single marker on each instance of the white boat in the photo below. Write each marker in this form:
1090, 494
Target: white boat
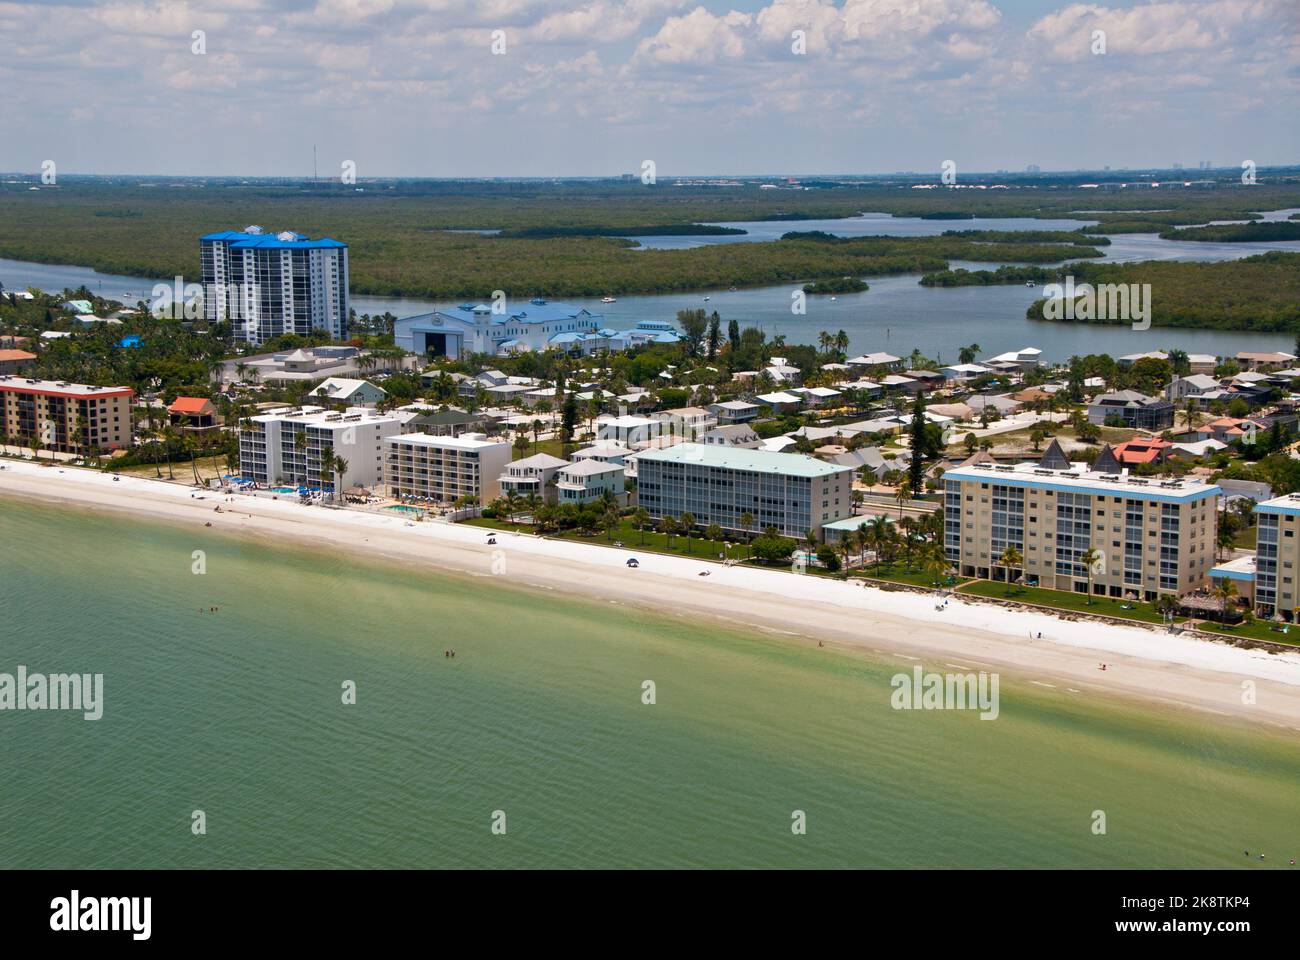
834, 298
608, 300
1029, 283
706, 298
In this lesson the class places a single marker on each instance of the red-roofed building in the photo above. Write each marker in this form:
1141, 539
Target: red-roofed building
15, 361
193, 413
1142, 450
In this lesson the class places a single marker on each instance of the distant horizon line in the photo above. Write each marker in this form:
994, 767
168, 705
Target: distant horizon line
35, 175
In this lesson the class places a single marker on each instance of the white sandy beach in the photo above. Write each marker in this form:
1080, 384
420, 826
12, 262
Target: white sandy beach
898, 627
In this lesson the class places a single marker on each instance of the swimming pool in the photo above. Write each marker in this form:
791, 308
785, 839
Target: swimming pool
284, 489
402, 509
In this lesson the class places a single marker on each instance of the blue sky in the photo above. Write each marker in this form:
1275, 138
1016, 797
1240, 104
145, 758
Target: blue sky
596, 87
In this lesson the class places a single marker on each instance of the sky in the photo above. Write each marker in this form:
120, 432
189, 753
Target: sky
479, 88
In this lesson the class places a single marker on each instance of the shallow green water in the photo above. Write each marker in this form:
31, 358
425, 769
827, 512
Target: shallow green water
238, 713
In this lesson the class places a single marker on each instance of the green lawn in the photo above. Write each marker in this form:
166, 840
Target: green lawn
1066, 600
632, 538
1259, 630
899, 573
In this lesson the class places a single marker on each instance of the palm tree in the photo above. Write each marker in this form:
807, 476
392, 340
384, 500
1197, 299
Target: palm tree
641, 517
1009, 559
878, 532
668, 527
1225, 592
611, 517
935, 562
688, 524
902, 494
713, 533
747, 524
169, 437
339, 467
1089, 558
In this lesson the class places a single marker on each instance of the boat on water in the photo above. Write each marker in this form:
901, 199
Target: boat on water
1029, 283
608, 300
706, 298
834, 298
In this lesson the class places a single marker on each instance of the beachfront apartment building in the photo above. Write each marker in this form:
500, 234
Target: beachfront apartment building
287, 447
266, 285
1151, 536
444, 469
721, 485
1277, 556
65, 417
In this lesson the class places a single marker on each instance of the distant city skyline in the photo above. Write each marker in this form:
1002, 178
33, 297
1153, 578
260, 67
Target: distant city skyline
555, 88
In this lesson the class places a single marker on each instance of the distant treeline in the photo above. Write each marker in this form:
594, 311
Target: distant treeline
658, 230
1237, 232
1260, 293
1076, 237
396, 230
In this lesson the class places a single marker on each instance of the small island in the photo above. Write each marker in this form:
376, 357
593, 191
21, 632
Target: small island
837, 285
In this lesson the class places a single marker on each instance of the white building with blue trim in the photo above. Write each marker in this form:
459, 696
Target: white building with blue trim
536, 325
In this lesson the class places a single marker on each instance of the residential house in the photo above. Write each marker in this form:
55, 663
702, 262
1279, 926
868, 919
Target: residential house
1131, 409
195, 414
872, 361
15, 361
588, 480
733, 435
533, 476
346, 392
780, 402
734, 411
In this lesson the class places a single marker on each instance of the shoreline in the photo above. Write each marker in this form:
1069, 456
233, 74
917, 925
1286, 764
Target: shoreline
1141, 664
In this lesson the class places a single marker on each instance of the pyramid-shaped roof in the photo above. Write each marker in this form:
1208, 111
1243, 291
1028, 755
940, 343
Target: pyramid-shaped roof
1054, 457
1107, 462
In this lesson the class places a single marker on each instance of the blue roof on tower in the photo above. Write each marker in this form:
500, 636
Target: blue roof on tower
239, 240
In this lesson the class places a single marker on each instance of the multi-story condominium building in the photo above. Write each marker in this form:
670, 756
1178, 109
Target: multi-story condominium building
62, 416
589, 480
722, 485
533, 475
267, 285
445, 469
288, 447
1132, 409
1277, 556
1149, 535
